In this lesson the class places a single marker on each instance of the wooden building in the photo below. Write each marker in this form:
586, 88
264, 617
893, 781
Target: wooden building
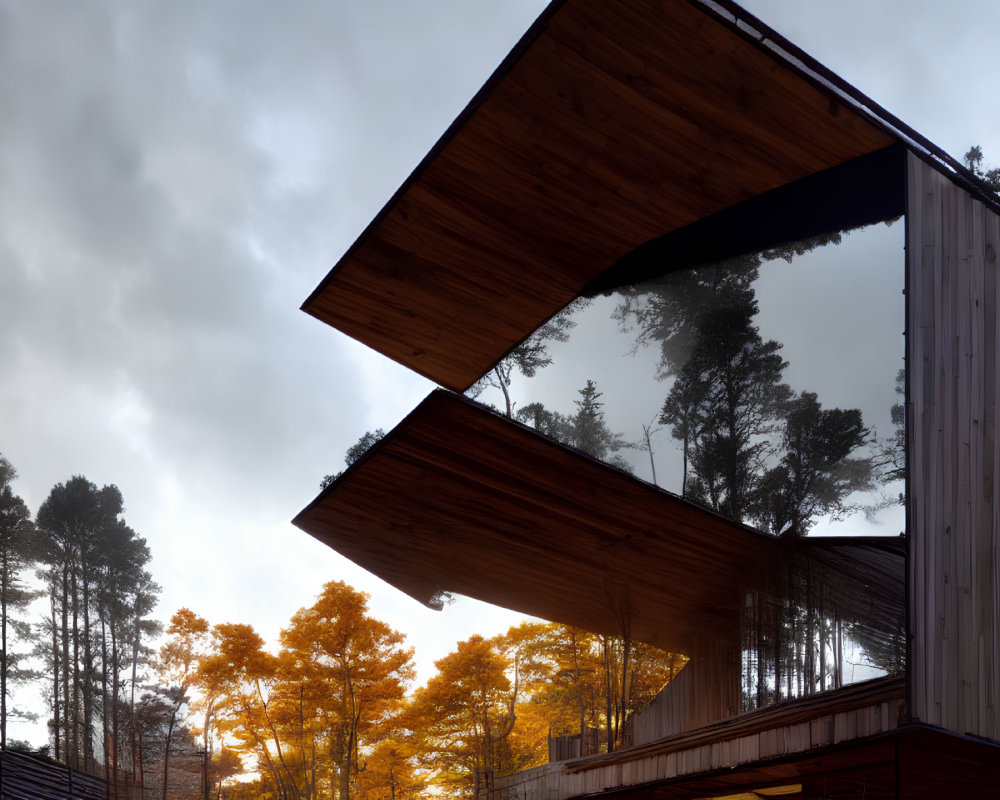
614, 140
34, 777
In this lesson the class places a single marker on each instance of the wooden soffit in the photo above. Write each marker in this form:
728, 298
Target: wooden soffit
460, 499
611, 124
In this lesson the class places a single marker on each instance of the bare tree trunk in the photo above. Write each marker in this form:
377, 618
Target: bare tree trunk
776, 626
105, 728
503, 388
277, 743
822, 641
835, 650
115, 708
625, 702
87, 684
142, 772
206, 739
76, 750
345, 774
56, 732
166, 747
3, 650
302, 743
606, 641
131, 706
67, 716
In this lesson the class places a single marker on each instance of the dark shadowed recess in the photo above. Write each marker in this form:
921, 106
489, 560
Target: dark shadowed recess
866, 190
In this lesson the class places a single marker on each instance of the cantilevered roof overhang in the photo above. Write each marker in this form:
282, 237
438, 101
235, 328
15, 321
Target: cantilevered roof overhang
610, 125
458, 498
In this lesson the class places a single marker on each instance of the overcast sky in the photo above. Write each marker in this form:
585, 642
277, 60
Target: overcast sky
176, 177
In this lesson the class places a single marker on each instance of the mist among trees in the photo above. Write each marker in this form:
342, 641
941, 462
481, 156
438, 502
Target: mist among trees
751, 446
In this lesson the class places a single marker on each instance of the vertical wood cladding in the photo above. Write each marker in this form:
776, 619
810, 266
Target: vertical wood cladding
705, 691
952, 244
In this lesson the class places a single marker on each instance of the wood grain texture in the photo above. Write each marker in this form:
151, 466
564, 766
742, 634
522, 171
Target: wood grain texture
460, 499
906, 761
706, 690
794, 742
618, 124
955, 535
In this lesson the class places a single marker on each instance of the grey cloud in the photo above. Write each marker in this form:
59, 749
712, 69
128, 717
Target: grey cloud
174, 180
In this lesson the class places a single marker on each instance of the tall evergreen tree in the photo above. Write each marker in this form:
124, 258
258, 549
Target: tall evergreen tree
724, 402
816, 473
585, 430
16, 555
126, 594
97, 583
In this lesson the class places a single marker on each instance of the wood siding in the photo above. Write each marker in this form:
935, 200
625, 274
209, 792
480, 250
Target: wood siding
952, 242
25, 777
800, 727
706, 690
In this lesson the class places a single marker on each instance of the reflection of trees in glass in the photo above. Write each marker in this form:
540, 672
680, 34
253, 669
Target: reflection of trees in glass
816, 473
585, 430
724, 401
881, 648
667, 311
591, 432
551, 423
529, 356
750, 449
837, 616
892, 451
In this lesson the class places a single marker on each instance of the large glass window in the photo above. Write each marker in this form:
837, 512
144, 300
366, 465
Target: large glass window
766, 388
834, 615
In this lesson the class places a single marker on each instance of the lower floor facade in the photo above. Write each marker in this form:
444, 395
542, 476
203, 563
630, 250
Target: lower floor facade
850, 744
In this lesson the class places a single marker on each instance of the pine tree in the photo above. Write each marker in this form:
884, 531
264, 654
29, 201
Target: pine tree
17, 552
816, 473
725, 401
99, 594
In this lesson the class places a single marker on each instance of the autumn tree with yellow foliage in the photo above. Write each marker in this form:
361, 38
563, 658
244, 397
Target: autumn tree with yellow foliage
466, 713
328, 716
351, 671
494, 703
319, 719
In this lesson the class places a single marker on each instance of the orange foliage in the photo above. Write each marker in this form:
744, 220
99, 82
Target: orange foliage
327, 716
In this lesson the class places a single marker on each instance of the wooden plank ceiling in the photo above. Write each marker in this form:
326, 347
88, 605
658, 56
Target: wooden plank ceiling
459, 499
617, 123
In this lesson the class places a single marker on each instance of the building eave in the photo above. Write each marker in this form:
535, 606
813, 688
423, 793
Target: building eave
460, 499
608, 127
